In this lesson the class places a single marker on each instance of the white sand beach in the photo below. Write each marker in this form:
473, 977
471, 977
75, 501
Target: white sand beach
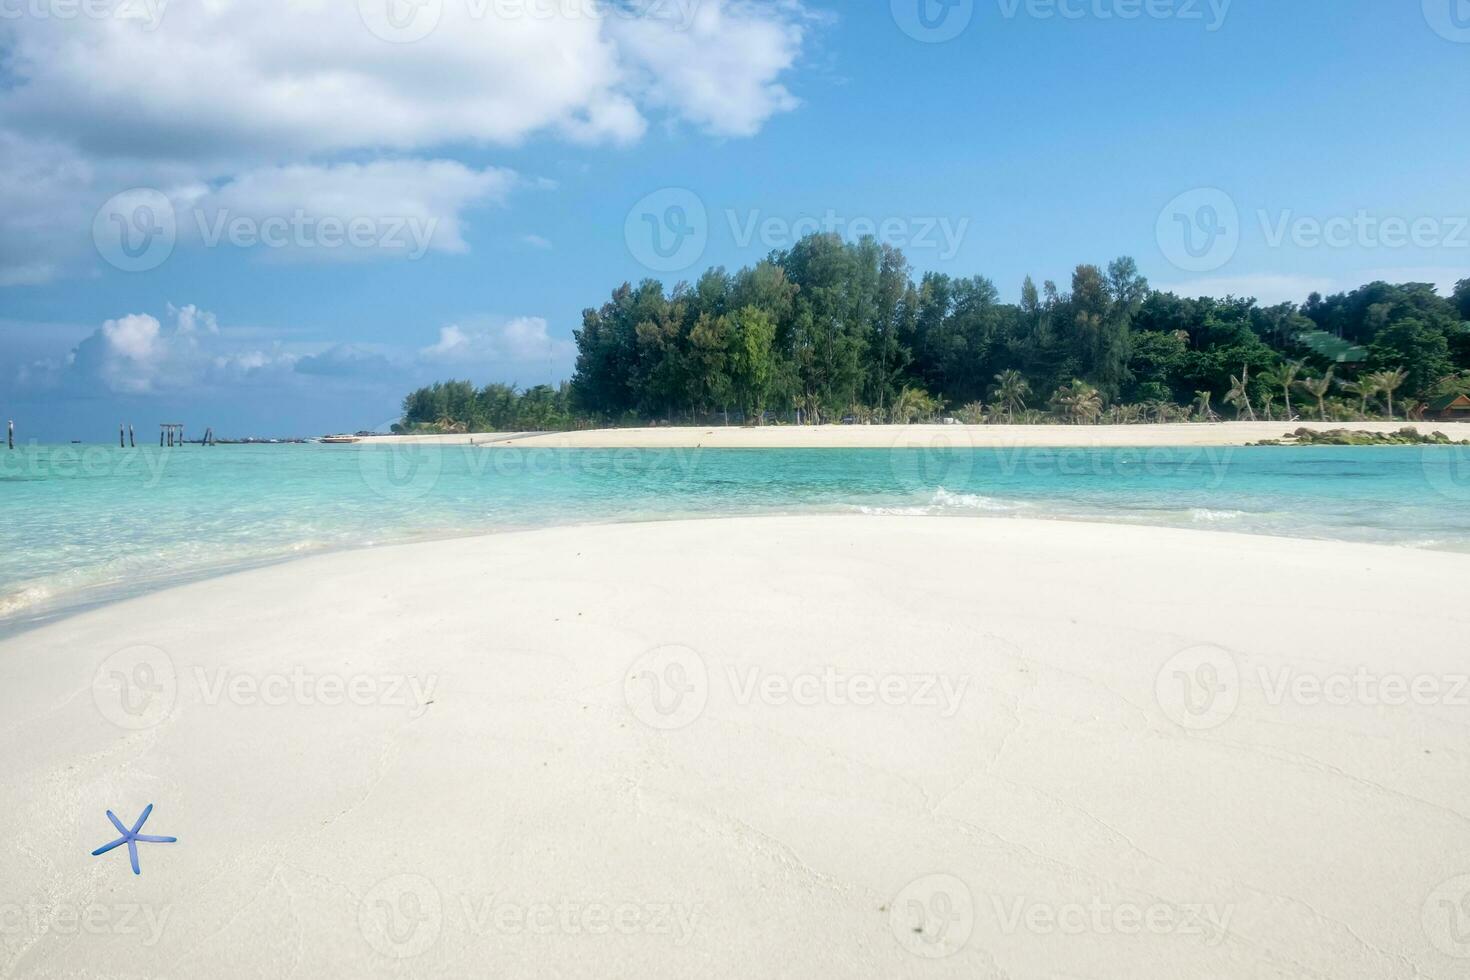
795, 747
891, 436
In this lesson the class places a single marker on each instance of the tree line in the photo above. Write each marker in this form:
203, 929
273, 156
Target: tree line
835, 331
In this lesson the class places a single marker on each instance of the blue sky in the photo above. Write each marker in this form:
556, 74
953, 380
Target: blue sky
1330, 139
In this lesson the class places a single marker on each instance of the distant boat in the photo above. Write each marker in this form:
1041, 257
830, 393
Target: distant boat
340, 440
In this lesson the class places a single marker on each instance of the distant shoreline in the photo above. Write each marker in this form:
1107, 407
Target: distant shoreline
1185, 434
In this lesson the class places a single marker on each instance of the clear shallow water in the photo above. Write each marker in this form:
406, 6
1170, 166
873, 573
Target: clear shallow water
83, 522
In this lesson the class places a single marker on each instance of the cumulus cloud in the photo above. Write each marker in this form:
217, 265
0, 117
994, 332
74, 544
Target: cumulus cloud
187, 350
347, 210
521, 341
263, 100
139, 354
723, 72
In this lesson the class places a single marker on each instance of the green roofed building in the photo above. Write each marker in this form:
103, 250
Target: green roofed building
1449, 408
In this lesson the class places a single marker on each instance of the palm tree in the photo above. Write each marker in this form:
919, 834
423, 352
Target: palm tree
1365, 388
1240, 395
914, 403
1318, 388
1079, 401
1010, 391
1288, 375
1202, 406
1162, 410
1282, 377
1268, 402
1388, 382
971, 414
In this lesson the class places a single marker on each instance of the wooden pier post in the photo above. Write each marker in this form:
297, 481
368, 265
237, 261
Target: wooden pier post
120, 443
10, 435
132, 440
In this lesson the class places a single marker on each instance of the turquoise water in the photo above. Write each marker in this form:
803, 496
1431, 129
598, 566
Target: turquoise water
88, 522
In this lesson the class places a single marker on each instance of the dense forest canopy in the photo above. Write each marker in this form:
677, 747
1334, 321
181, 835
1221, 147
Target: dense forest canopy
830, 330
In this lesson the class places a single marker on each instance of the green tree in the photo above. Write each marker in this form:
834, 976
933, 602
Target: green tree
752, 360
1202, 409
1389, 382
1318, 389
1365, 388
1010, 392
709, 368
1421, 350
1240, 395
1078, 402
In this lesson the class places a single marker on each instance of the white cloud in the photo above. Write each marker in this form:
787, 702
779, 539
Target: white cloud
280, 78
257, 98
188, 350
348, 210
723, 71
139, 354
521, 341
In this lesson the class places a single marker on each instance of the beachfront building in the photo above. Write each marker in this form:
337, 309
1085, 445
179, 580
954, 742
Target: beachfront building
1449, 408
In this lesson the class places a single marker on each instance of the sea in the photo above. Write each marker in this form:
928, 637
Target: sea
82, 525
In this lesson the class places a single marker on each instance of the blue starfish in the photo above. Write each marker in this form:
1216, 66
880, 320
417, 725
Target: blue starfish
131, 838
